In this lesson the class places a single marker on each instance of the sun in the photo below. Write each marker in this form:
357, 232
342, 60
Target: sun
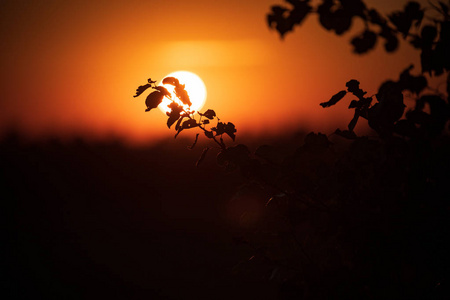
194, 86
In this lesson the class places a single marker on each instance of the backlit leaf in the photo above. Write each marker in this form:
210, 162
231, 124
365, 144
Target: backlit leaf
163, 90
364, 42
219, 129
391, 40
191, 123
230, 130
415, 84
353, 87
177, 126
174, 114
142, 89
353, 104
334, 99
210, 114
209, 134
334, 17
182, 94
404, 19
171, 80
153, 100
277, 19
376, 18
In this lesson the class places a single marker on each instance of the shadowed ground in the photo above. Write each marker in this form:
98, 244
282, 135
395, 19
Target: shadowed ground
105, 221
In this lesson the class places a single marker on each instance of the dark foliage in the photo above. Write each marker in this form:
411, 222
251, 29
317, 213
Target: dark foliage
432, 39
335, 99
370, 221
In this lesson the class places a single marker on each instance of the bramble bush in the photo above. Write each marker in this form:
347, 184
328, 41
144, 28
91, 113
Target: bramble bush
368, 222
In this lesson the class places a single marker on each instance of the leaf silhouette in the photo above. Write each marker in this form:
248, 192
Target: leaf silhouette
391, 40
376, 18
219, 129
353, 104
163, 91
191, 123
277, 19
333, 17
210, 114
182, 94
300, 10
174, 114
388, 110
202, 156
142, 89
153, 100
404, 19
415, 84
209, 134
364, 42
354, 7
177, 126
439, 113
353, 87
171, 80
334, 99
230, 130
180, 91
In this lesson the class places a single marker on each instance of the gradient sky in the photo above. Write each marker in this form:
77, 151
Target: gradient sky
72, 67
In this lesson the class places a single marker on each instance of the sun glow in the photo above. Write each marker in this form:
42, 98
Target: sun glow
194, 86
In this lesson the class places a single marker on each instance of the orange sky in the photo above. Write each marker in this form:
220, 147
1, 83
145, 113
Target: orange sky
72, 67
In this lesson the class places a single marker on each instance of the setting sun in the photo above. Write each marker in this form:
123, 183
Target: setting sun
194, 86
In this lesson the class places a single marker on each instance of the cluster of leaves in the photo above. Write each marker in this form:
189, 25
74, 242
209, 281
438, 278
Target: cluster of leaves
364, 223
372, 220
338, 15
386, 115
184, 118
432, 38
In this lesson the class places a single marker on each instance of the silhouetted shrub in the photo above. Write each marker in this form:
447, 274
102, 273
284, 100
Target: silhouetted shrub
368, 222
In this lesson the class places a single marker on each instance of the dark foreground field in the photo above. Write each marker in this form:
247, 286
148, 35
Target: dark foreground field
103, 221
368, 219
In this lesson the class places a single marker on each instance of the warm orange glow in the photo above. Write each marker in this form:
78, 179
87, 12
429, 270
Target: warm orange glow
195, 87
76, 73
